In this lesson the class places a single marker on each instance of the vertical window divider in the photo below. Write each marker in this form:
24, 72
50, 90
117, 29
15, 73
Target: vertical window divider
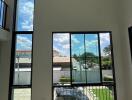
100, 63
70, 60
85, 57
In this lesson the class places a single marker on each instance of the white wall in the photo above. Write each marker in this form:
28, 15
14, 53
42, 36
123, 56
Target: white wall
5, 50
71, 15
126, 21
4, 35
4, 69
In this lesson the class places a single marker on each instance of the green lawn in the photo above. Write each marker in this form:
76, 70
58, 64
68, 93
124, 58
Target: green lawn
103, 94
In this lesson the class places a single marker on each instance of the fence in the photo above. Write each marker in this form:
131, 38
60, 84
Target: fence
22, 77
84, 93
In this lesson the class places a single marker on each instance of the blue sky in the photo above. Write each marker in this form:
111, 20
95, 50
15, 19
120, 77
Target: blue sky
24, 42
61, 43
91, 43
24, 21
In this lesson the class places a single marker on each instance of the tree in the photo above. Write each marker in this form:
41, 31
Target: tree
106, 60
107, 50
76, 57
89, 57
106, 63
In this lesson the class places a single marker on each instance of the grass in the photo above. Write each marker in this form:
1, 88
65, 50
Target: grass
103, 94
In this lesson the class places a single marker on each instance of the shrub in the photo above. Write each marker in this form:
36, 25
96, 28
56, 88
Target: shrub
107, 78
64, 79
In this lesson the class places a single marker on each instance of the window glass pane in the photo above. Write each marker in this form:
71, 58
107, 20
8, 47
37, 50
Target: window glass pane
85, 60
78, 71
91, 45
92, 70
24, 16
1, 12
23, 55
92, 58
22, 94
77, 44
61, 59
78, 60
106, 58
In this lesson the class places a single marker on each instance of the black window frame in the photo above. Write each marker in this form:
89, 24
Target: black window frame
13, 50
113, 83
130, 39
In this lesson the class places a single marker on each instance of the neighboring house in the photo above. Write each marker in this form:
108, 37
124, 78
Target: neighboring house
60, 61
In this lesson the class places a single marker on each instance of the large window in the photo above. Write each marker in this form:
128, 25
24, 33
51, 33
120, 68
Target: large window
21, 58
83, 67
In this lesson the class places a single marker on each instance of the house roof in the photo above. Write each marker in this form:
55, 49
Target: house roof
61, 59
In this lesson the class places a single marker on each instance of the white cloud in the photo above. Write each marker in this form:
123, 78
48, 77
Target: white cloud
55, 48
62, 38
23, 43
91, 43
26, 25
74, 40
59, 50
27, 8
104, 38
104, 41
61, 43
66, 46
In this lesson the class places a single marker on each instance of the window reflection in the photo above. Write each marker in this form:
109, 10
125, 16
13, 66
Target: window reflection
85, 65
61, 59
106, 57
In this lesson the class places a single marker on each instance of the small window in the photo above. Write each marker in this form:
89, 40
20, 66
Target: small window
24, 15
